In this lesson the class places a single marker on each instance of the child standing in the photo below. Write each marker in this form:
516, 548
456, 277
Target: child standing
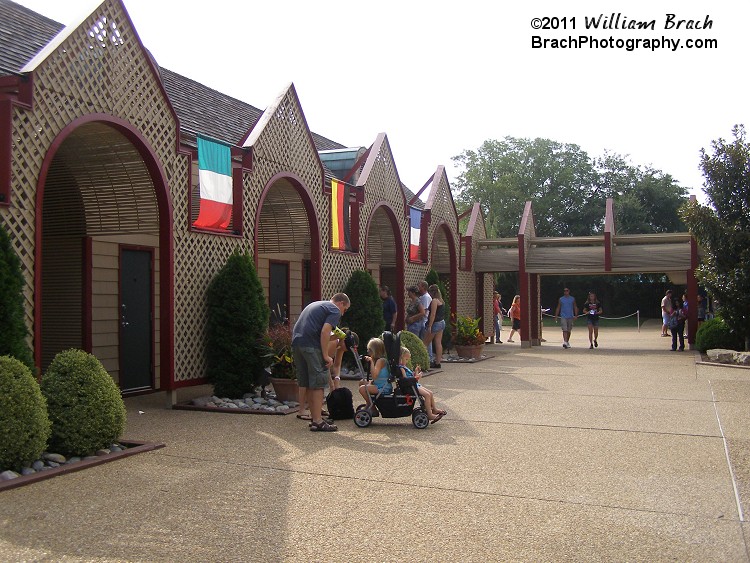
433, 413
515, 314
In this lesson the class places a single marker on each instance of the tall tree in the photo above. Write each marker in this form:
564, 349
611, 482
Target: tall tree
502, 175
646, 200
723, 228
568, 189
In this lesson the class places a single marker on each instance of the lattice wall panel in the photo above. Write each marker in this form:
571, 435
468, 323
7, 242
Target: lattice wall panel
99, 68
284, 146
384, 185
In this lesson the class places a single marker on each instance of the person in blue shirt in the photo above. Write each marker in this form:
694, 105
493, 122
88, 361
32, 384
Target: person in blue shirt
389, 308
566, 310
379, 370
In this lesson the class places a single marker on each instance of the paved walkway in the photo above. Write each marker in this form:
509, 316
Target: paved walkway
547, 454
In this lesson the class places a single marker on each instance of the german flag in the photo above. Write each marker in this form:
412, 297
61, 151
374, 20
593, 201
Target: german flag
340, 215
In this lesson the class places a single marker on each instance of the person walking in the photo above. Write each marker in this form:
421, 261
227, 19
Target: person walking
592, 309
566, 310
666, 312
390, 309
497, 316
515, 314
311, 338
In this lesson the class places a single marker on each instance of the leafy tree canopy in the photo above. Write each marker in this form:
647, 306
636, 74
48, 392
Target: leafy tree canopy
723, 228
568, 189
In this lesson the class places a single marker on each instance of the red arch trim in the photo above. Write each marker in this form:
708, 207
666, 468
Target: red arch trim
166, 244
312, 219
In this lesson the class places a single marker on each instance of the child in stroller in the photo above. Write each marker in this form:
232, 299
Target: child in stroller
433, 413
389, 395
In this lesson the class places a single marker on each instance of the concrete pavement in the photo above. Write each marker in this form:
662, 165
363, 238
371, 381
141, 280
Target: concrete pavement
629, 452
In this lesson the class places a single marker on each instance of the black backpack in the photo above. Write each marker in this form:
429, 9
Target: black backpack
340, 404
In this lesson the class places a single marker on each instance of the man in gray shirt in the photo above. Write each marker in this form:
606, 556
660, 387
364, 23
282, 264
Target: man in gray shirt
310, 339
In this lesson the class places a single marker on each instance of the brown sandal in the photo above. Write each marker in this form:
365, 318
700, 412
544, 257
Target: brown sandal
323, 426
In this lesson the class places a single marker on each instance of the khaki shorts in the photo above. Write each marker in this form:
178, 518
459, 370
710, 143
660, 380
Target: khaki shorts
311, 371
566, 324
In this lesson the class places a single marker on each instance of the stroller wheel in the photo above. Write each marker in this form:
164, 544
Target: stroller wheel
362, 418
419, 419
360, 407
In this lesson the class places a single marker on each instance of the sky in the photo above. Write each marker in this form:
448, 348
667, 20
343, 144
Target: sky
442, 77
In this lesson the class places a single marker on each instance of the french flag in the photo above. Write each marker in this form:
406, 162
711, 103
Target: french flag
215, 179
415, 218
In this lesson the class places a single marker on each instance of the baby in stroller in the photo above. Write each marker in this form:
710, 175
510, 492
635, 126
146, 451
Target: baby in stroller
388, 394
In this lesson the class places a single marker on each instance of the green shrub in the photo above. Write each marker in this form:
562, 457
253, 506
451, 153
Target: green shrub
13, 331
84, 404
715, 333
24, 425
365, 314
419, 356
237, 324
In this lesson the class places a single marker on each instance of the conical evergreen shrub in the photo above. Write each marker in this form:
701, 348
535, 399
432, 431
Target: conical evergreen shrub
237, 321
365, 314
13, 331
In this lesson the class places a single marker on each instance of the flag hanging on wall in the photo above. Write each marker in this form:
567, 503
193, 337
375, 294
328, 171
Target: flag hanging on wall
340, 215
415, 219
215, 180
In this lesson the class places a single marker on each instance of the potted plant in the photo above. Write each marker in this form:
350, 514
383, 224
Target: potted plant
283, 373
468, 339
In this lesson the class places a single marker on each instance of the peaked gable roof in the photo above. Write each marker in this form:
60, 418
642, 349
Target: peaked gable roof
23, 34
26, 37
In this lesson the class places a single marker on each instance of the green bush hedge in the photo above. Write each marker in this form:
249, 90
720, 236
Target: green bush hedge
24, 424
715, 333
237, 322
13, 331
84, 404
419, 355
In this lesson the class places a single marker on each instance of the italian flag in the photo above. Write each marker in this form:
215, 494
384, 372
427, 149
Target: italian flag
215, 179
415, 219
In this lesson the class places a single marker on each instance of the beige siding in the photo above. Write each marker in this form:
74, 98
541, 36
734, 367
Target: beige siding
105, 298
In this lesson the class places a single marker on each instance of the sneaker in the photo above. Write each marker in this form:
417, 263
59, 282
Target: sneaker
591, 346
596, 343
565, 344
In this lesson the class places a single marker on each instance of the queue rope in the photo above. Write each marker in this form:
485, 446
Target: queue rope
637, 313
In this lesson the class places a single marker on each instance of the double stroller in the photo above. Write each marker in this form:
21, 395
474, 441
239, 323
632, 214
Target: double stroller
403, 400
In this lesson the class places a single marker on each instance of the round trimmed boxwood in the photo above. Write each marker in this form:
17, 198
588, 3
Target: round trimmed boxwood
24, 424
715, 333
419, 355
83, 402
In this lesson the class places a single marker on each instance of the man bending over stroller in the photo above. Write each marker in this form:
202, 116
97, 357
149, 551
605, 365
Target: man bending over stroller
433, 413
